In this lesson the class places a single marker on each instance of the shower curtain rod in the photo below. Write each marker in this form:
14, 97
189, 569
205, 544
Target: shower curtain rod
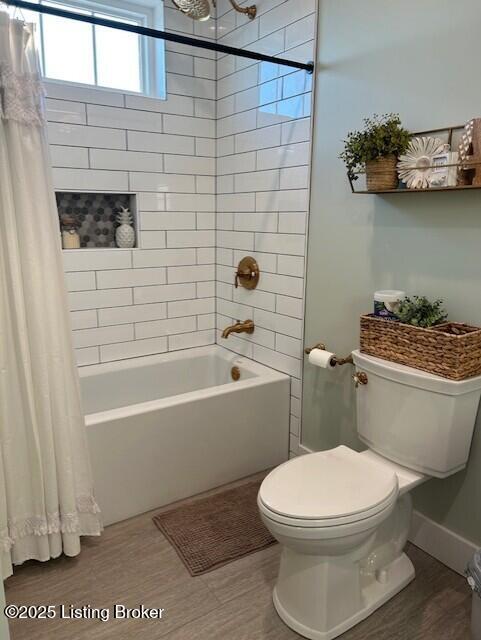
161, 35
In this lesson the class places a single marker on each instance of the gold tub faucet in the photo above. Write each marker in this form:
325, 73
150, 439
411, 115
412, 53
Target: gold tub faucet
239, 327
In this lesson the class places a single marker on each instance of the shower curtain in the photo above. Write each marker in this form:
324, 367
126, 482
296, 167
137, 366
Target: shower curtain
46, 496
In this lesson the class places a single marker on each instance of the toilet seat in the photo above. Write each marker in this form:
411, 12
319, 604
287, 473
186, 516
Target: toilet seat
327, 489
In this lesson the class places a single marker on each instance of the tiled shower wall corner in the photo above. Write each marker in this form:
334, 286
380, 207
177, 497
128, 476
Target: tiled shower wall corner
160, 296
263, 164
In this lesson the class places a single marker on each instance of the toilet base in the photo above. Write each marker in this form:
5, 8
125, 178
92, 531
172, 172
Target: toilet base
393, 578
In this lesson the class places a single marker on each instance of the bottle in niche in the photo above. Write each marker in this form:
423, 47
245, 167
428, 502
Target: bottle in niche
124, 234
70, 234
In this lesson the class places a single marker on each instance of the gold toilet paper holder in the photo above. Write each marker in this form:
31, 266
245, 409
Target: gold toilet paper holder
335, 360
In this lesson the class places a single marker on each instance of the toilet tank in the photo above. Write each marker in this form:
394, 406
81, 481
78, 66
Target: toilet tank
416, 419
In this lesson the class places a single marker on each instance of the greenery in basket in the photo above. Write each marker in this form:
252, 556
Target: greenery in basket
420, 312
382, 136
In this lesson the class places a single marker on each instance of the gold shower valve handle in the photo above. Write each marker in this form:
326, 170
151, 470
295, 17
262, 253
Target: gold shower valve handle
247, 274
360, 379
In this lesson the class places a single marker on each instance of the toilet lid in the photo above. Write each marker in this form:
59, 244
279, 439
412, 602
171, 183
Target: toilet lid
329, 484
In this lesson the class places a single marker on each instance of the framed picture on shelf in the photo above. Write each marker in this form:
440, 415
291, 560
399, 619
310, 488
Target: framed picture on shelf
444, 170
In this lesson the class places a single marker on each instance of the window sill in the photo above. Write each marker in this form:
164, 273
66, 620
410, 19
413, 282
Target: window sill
105, 90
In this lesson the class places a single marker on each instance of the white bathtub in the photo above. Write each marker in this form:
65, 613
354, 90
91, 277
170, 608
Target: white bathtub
161, 428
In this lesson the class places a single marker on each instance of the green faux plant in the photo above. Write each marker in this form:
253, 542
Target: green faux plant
420, 312
382, 136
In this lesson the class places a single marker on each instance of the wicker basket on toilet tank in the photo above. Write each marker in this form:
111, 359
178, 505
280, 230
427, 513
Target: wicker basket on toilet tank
451, 350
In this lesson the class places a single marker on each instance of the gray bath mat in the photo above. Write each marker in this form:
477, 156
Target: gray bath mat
216, 530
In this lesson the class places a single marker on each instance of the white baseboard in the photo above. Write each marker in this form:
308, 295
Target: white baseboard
443, 544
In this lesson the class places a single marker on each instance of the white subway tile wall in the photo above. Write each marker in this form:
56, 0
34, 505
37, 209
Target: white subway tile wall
263, 165
160, 295
220, 170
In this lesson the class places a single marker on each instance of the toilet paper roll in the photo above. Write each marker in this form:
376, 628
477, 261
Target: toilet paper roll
321, 358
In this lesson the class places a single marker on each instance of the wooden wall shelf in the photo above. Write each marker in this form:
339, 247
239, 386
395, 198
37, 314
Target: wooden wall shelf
449, 135
430, 190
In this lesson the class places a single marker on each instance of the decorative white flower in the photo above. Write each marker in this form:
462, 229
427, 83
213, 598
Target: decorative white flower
415, 167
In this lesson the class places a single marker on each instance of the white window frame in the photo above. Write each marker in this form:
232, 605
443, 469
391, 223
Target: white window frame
148, 13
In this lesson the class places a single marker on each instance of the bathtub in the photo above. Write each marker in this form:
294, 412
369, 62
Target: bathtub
162, 428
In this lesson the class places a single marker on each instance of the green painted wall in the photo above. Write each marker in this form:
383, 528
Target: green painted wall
420, 59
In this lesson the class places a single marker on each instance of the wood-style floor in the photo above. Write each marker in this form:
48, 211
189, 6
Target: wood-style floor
133, 564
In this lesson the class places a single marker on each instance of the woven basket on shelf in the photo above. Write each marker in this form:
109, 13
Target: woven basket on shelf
450, 350
381, 174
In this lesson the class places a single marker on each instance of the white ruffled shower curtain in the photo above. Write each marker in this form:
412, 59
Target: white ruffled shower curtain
46, 494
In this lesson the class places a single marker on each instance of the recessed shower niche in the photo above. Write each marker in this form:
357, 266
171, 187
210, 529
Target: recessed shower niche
92, 219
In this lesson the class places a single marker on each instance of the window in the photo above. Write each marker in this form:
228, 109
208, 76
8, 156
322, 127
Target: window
82, 53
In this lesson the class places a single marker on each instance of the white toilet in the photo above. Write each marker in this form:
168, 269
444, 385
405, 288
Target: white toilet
343, 517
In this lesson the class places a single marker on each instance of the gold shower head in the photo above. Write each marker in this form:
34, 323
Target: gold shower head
201, 9
195, 9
